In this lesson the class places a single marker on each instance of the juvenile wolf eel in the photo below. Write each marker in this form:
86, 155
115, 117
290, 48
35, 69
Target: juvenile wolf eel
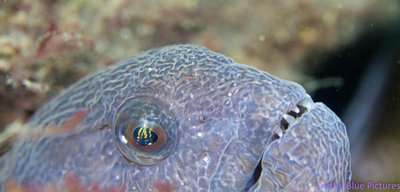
180, 118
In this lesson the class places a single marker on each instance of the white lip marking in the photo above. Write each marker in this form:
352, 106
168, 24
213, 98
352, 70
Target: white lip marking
295, 109
290, 119
307, 102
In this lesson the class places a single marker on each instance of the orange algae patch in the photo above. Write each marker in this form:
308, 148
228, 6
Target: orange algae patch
19, 130
26, 130
71, 184
164, 187
13, 186
68, 126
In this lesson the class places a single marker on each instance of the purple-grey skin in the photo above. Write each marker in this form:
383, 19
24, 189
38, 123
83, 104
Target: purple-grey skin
229, 127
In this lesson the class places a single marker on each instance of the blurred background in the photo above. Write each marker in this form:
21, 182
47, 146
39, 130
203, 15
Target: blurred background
346, 53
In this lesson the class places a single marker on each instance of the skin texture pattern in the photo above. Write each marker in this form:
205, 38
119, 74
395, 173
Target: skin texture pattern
180, 118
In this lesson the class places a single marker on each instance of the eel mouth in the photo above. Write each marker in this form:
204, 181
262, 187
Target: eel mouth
290, 118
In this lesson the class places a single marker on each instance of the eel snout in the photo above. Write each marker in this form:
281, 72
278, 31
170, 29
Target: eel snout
310, 152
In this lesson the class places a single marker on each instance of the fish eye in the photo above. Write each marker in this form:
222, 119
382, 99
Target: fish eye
144, 131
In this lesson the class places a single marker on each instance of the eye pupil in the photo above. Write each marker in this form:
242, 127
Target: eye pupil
145, 136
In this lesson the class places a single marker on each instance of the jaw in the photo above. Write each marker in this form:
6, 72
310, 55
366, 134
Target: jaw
310, 150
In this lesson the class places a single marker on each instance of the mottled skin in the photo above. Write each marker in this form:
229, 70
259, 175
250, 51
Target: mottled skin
228, 118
